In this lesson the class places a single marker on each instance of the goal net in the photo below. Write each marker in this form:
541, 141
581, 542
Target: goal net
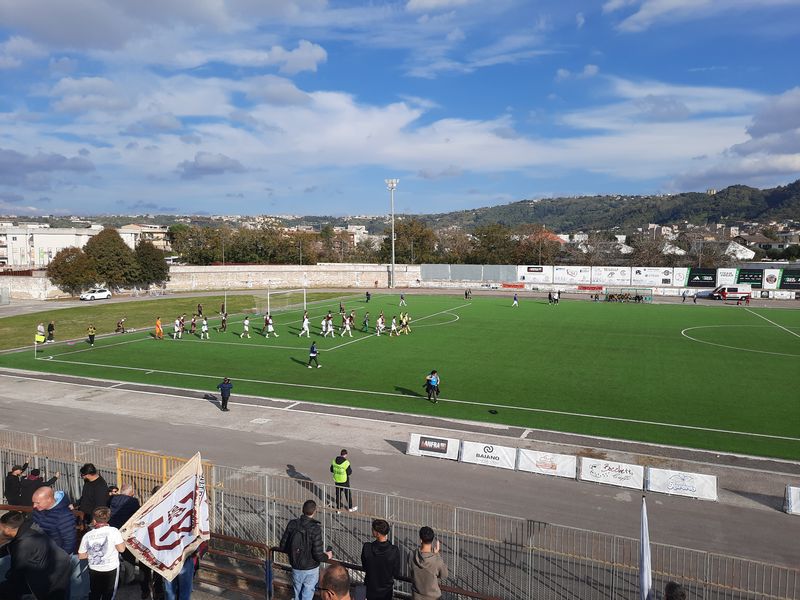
628, 294
273, 301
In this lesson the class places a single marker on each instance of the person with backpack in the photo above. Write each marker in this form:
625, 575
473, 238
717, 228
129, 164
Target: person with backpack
302, 542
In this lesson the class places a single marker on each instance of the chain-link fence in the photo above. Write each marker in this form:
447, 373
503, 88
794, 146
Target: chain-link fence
492, 554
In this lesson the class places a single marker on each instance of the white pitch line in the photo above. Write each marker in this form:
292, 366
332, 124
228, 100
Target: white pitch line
291, 406
453, 401
688, 337
103, 347
773, 322
368, 336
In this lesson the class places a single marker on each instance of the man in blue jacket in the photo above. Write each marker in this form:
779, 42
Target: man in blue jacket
53, 515
225, 391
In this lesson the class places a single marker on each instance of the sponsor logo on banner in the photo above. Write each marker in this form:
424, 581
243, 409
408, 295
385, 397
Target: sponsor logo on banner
754, 277
488, 454
535, 269
547, 463
651, 276
436, 447
574, 275
790, 279
680, 483
612, 473
702, 277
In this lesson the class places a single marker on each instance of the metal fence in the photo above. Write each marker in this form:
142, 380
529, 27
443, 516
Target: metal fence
492, 554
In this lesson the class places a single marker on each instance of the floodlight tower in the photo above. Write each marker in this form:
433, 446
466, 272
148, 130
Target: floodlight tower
391, 185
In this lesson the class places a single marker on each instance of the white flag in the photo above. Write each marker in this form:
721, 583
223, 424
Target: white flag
645, 571
172, 523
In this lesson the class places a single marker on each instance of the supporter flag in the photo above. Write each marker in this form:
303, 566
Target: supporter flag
172, 523
645, 572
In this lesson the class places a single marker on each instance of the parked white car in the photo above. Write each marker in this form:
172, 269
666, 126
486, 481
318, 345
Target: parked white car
96, 294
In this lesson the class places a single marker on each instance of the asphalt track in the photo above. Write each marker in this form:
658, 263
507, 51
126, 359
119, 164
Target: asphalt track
280, 437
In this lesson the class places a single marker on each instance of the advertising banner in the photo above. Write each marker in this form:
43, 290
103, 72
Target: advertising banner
547, 463
611, 275
754, 277
572, 275
680, 483
490, 455
772, 278
790, 280
680, 277
726, 276
612, 473
651, 276
793, 500
437, 447
704, 278
535, 274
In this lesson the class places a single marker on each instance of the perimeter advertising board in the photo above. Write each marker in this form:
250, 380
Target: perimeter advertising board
772, 277
547, 463
651, 276
612, 473
681, 483
680, 277
793, 500
755, 277
726, 276
611, 276
479, 453
572, 275
790, 279
535, 274
436, 447
702, 278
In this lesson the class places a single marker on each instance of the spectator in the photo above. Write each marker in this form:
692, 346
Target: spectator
51, 332
123, 505
52, 513
180, 588
39, 568
674, 591
112, 491
102, 545
32, 483
12, 487
95, 491
427, 567
381, 562
150, 577
335, 583
302, 541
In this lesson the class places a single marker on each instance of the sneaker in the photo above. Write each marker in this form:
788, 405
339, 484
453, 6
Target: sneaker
309, 366
352, 509
319, 366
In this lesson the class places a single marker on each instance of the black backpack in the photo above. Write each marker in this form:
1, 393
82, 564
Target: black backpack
299, 546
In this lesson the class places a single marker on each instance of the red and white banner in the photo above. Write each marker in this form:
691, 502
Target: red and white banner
172, 523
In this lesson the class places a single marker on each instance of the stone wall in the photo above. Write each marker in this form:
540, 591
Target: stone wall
243, 277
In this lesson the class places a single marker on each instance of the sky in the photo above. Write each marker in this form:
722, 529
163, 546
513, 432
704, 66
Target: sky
306, 106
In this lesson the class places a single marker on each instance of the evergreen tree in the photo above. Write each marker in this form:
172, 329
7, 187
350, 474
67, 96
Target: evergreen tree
114, 261
72, 271
153, 267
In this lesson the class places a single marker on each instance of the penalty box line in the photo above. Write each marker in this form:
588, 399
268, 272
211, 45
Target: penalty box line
368, 336
450, 401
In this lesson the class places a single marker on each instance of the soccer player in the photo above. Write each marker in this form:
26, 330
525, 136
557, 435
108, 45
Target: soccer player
204, 329
393, 330
432, 382
120, 326
245, 328
193, 325
366, 322
403, 300
324, 326
270, 326
312, 355
223, 326
346, 323
304, 327
183, 324
159, 329
513, 304
91, 331
176, 333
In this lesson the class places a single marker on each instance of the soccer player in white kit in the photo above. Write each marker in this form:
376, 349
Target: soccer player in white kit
393, 330
178, 329
304, 328
270, 326
346, 324
204, 329
245, 328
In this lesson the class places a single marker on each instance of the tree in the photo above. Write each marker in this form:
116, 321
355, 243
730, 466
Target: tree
647, 252
537, 245
415, 242
72, 271
153, 267
454, 246
493, 245
113, 260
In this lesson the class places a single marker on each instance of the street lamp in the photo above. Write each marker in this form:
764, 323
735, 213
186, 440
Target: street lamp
391, 185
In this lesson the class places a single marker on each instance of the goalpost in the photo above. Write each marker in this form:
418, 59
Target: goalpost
628, 294
280, 300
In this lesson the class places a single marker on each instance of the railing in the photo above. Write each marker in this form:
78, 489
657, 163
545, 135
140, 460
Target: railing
495, 555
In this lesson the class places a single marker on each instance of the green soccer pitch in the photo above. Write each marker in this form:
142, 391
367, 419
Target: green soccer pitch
706, 376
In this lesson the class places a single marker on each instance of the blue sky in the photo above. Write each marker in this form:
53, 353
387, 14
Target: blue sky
306, 106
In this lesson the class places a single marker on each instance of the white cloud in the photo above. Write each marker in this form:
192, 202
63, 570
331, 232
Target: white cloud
275, 90
580, 20
587, 72
206, 163
423, 5
88, 93
306, 57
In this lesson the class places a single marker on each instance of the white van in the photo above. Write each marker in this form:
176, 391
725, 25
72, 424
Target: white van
732, 292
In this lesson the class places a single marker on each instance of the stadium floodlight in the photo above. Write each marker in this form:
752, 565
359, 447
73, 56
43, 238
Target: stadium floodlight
391, 185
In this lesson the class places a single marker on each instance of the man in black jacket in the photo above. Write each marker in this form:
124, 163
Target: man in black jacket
95, 491
32, 483
12, 483
381, 561
302, 541
39, 569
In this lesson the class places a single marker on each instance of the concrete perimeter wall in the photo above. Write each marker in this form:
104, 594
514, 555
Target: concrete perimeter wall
239, 277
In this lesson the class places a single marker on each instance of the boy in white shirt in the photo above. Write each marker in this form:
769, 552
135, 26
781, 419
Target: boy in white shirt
204, 329
102, 546
245, 328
